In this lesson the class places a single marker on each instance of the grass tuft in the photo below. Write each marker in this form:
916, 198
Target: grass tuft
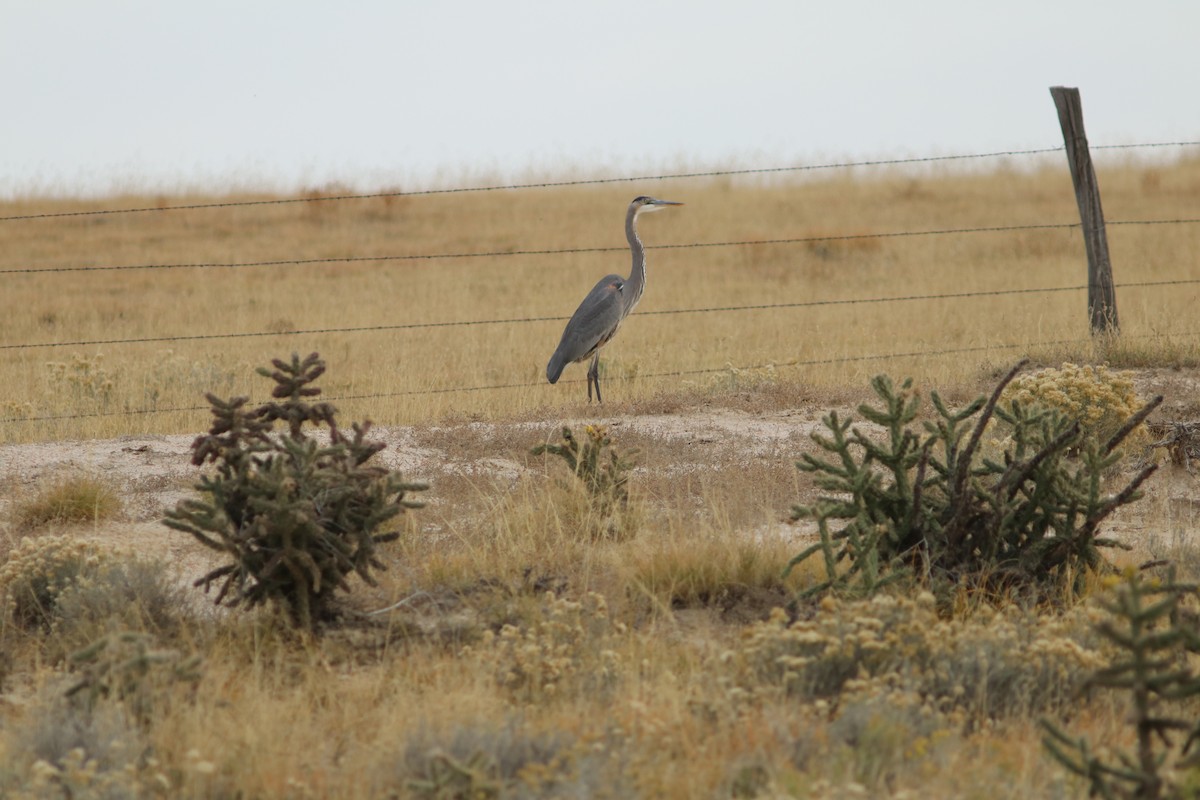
65, 500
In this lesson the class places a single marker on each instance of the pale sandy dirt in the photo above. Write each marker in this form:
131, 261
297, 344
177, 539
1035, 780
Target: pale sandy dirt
154, 472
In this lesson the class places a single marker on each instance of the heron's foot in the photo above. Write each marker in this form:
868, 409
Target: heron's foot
593, 377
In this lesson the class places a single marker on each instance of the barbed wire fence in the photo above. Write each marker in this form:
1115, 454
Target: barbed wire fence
726, 173
318, 198
524, 320
581, 250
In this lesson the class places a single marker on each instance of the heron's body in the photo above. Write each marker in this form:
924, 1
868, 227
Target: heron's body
601, 313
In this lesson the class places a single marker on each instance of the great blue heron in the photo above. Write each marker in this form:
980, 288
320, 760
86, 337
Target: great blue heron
596, 320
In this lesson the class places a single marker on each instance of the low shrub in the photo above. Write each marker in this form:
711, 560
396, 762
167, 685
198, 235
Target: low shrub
564, 648
487, 760
130, 668
40, 570
1099, 399
603, 473
899, 651
295, 516
68, 499
934, 508
127, 593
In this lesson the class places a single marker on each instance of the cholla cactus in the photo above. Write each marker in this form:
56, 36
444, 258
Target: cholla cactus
936, 507
295, 516
129, 667
1154, 646
603, 470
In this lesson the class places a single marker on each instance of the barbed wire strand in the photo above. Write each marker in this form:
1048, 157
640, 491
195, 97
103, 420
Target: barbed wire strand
538, 185
493, 387
648, 376
583, 250
648, 313
593, 181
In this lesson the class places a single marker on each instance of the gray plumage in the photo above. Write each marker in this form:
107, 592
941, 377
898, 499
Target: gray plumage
601, 313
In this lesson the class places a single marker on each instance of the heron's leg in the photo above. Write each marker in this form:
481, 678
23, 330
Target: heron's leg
594, 377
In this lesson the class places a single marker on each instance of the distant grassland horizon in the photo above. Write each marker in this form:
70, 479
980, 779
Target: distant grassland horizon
453, 366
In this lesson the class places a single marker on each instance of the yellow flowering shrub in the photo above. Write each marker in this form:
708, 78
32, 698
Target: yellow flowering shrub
80, 775
1098, 398
84, 378
39, 570
567, 644
999, 663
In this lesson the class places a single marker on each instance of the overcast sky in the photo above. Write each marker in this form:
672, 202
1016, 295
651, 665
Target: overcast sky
169, 95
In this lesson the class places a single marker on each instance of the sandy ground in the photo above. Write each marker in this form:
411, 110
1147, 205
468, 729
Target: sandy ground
155, 472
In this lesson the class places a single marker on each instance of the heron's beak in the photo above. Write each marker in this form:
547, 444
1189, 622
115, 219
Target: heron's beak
666, 203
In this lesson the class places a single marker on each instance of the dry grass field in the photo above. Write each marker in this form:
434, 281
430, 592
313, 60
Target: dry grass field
421, 374
525, 652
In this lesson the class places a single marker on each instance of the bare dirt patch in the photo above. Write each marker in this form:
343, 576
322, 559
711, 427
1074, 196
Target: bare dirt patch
683, 457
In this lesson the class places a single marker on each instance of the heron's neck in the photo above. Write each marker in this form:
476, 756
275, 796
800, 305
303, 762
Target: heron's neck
637, 277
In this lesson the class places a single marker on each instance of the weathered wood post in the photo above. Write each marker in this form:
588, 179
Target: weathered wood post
1102, 299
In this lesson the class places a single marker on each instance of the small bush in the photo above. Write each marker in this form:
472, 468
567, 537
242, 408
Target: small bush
295, 516
76, 591
129, 593
935, 509
604, 474
1098, 399
129, 668
99, 756
93, 739
74, 498
83, 379
486, 760
896, 651
40, 570
565, 648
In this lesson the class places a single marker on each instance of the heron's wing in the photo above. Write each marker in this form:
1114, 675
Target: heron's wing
593, 323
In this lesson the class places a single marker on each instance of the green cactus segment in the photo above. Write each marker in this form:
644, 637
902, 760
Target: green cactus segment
294, 515
951, 508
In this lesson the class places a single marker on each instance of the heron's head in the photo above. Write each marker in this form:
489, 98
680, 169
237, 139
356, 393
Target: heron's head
644, 204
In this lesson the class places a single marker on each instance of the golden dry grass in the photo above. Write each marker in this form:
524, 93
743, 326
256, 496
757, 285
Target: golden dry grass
68, 499
412, 375
639, 679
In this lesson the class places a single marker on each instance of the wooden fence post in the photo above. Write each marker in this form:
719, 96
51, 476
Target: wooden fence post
1102, 299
